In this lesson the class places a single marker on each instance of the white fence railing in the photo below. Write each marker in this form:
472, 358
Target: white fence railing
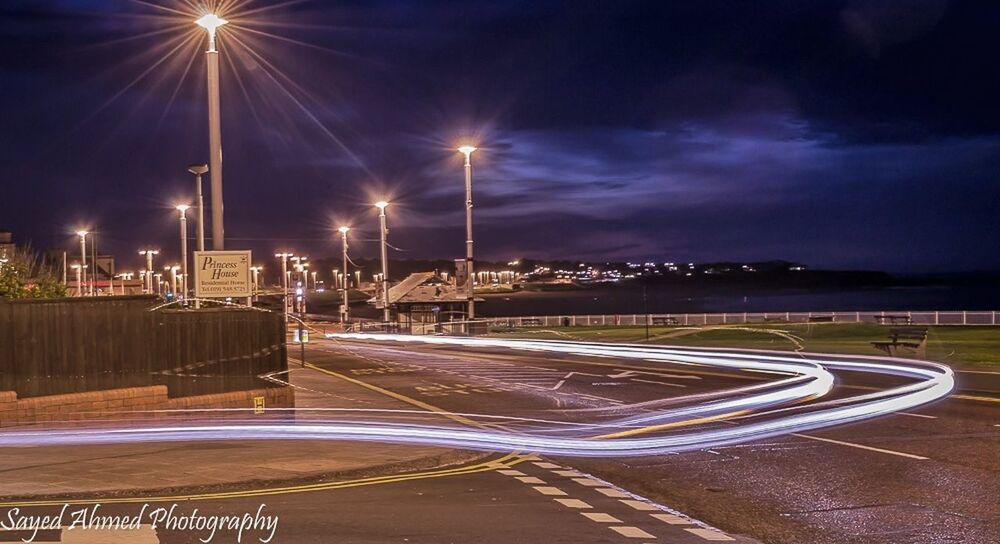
958, 317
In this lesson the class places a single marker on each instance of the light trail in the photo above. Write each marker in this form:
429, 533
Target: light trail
812, 377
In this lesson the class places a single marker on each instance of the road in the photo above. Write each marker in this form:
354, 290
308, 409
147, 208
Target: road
924, 476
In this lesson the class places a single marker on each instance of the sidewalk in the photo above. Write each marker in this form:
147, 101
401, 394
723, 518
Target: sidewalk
153, 469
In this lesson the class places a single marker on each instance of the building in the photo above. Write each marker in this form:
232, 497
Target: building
423, 303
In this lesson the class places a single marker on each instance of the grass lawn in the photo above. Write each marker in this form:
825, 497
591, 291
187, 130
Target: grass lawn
959, 346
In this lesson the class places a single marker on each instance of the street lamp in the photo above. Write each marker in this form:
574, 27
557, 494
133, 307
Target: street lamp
469, 290
284, 277
83, 251
384, 232
149, 267
183, 208
173, 278
211, 22
345, 312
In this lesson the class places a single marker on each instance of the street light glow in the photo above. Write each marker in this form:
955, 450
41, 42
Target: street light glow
381, 204
82, 233
467, 149
343, 230
210, 22
182, 207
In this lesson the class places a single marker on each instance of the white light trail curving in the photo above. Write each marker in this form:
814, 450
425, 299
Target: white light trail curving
759, 411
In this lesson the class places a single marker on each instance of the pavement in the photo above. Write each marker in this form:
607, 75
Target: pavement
182, 467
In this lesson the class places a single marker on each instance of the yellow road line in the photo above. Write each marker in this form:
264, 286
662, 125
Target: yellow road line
672, 425
398, 396
508, 460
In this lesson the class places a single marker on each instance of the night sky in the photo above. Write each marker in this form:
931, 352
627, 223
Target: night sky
840, 134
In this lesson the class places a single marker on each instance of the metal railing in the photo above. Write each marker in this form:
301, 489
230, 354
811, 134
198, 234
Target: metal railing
954, 317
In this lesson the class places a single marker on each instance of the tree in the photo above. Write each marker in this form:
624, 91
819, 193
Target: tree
24, 275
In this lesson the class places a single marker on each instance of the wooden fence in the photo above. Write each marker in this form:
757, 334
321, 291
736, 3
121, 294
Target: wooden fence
85, 344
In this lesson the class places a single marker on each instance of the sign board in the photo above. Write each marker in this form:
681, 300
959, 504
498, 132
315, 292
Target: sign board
258, 405
220, 274
461, 274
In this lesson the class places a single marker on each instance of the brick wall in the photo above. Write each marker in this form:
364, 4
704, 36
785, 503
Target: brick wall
131, 403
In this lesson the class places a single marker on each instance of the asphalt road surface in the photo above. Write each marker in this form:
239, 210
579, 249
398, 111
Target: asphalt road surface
928, 476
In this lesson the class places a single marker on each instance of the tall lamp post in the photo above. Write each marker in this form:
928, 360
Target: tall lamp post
469, 289
149, 269
345, 312
79, 278
384, 233
183, 208
198, 170
284, 278
211, 22
83, 254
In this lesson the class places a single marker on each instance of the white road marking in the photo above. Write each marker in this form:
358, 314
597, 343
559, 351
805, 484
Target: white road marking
511, 472
925, 416
573, 503
611, 492
640, 505
546, 465
861, 446
569, 473
601, 517
145, 534
671, 519
631, 532
549, 490
658, 383
588, 482
709, 534
530, 480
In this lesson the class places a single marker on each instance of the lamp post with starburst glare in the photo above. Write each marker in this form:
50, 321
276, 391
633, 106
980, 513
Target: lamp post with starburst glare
211, 22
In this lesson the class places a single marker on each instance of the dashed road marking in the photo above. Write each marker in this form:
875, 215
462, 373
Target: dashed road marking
925, 416
639, 505
511, 472
573, 503
613, 493
549, 490
861, 446
709, 534
569, 473
671, 519
601, 517
631, 532
658, 383
530, 480
588, 482
546, 465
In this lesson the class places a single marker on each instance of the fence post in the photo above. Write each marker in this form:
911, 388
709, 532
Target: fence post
685, 319
857, 317
724, 321
965, 318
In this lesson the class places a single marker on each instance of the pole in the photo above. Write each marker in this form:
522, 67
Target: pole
93, 265
215, 146
64, 268
79, 281
469, 289
200, 202
346, 312
645, 310
83, 258
184, 254
386, 314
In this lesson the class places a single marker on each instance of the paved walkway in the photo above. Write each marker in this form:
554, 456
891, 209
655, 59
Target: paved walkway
152, 468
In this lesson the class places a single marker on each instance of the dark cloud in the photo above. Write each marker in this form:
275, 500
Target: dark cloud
844, 134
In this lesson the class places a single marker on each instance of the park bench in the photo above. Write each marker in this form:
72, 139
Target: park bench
894, 319
662, 321
821, 319
905, 337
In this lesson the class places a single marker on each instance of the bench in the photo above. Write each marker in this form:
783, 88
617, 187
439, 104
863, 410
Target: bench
821, 319
661, 321
895, 319
907, 337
